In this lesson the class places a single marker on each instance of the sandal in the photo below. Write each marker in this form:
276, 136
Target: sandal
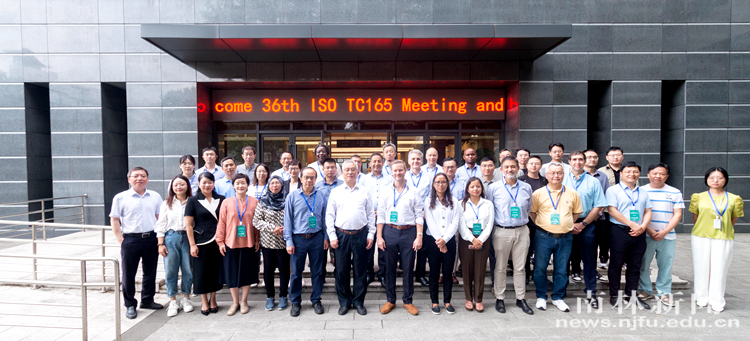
469, 306
480, 307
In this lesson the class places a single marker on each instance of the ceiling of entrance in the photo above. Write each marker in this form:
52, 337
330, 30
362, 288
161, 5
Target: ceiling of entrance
348, 43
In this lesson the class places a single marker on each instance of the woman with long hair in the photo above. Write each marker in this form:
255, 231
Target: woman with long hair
260, 182
715, 212
269, 220
442, 216
201, 219
477, 221
239, 243
174, 245
187, 167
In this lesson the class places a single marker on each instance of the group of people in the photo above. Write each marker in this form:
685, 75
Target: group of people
217, 220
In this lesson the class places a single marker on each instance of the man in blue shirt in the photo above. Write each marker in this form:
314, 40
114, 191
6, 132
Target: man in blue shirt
209, 156
470, 168
304, 219
584, 230
630, 213
224, 185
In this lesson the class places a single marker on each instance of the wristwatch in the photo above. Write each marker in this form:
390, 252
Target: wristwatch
584, 223
162, 244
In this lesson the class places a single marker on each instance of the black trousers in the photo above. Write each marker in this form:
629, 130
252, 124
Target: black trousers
276, 259
602, 237
422, 255
351, 256
133, 250
399, 245
492, 259
440, 263
532, 235
625, 249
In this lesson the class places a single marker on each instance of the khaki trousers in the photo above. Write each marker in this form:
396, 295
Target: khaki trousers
507, 243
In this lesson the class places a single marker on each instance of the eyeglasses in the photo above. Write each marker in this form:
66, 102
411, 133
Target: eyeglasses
441, 182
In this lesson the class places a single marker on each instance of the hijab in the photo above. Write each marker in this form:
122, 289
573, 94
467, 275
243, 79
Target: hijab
275, 201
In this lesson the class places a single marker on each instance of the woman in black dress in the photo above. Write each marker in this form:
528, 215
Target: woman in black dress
201, 218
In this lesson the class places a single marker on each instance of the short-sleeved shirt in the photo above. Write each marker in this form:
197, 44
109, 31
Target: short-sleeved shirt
137, 212
465, 173
543, 171
569, 204
217, 172
700, 204
663, 202
249, 171
589, 190
501, 195
617, 196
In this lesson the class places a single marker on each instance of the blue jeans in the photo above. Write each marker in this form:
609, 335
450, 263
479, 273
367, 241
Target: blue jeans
304, 248
664, 250
178, 258
544, 247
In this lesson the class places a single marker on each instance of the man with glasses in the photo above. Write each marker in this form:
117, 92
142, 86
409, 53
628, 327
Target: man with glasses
283, 172
556, 151
322, 152
522, 155
248, 168
614, 165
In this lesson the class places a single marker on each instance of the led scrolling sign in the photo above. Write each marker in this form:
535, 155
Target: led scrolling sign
348, 104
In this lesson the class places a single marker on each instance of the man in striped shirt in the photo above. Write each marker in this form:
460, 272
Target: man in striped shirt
666, 213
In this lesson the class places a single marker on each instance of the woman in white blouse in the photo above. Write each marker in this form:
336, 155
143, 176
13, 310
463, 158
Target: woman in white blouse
475, 228
174, 245
442, 215
260, 182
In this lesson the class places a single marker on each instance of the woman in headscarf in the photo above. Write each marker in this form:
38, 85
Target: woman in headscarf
269, 220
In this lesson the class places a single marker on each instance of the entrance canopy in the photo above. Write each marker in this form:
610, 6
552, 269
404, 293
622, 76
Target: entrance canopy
350, 43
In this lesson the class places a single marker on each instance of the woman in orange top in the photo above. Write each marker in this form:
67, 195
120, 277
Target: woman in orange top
239, 242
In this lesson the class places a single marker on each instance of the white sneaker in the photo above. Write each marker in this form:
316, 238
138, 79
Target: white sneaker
187, 306
541, 304
602, 265
173, 308
560, 304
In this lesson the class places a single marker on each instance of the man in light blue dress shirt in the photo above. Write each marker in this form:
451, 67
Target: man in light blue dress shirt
224, 185
209, 156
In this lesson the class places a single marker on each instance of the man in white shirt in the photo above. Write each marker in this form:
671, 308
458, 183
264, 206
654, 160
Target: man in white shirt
389, 152
350, 224
209, 156
283, 172
666, 213
376, 181
470, 168
556, 151
432, 167
248, 168
400, 219
133, 217
322, 152
224, 185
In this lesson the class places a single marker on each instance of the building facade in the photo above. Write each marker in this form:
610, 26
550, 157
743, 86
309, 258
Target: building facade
89, 88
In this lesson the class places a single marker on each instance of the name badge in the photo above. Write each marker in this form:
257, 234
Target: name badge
635, 215
476, 229
515, 212
717, 223
394, 217
312, 222
241, 232
554, 219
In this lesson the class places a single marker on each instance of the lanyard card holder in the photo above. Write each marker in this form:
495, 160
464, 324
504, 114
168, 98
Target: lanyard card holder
241, 231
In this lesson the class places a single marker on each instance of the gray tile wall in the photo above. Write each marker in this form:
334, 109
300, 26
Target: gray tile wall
77, 44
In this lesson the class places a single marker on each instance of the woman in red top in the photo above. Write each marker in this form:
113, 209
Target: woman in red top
239, 242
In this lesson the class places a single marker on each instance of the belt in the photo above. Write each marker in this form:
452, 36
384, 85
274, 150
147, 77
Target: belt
624, 227
351, 232
553, 235
400, 227
138, 235
307, 235
509, 227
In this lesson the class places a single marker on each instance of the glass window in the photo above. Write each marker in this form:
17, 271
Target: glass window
342, 125
232, 144
406, 125
445, 145
445, 125
273, 146
275, 126
375, 125
234, 126
406, 143
485, 144
476, 125
305, 148
307, 125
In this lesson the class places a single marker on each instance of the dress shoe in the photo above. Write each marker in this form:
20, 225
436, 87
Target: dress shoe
131, 313
370, 279
387, 307
500, 306
642, 303
361, 310
524, 306
151, 305
295, 309
318, 307
613, 301
343, 310
594, 303
411, 308
213, 310
424, 282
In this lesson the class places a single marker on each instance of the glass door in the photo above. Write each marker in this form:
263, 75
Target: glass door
272, 146
445, 145
304, 148
405, 142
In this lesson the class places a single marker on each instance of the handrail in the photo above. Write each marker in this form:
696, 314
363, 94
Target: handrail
82, 283
45, 199
79, 216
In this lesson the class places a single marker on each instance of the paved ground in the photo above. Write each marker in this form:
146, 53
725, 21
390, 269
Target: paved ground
608, 324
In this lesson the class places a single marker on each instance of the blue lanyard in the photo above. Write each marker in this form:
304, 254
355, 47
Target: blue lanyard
452, 183
241, 215
559, 196
320, 171
637, 190
395, 200
328, 187
467, 170
387, 169
579, 182
475, 211
505, 184
716, 208
261, 193
311, 208
418, 181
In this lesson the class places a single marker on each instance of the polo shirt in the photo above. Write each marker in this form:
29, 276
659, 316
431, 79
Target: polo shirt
663, 202
589, 191
617, 196
568, 204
